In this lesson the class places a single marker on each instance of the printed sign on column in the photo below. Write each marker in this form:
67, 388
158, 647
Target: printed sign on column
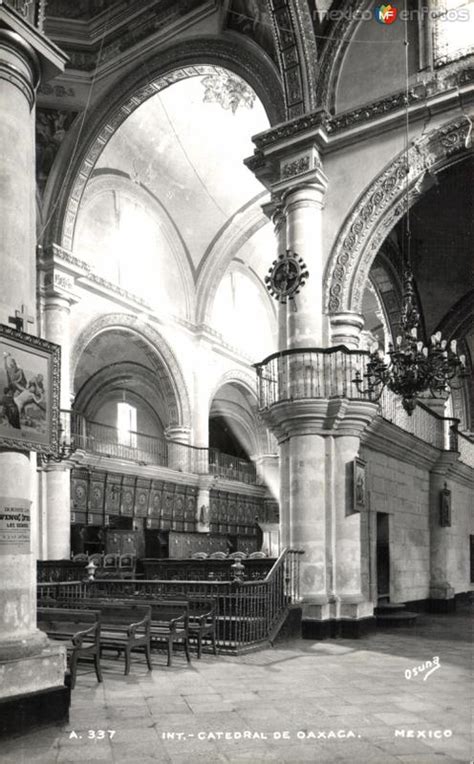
15, 526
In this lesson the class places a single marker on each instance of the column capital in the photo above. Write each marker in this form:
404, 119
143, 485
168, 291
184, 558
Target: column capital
346, 328
58, 272
45, 58
177, 433
299, 171
336, 417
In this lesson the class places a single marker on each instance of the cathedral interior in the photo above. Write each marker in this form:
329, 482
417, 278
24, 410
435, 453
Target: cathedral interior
236, 347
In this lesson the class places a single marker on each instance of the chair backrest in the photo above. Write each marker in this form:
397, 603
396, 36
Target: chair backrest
218, 556
111, 560
123, 614
80, 558
199, 556
238, 556
97, 559
127, 561
257, 555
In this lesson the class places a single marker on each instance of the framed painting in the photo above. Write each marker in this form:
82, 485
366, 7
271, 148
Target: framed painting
358, 485
29, 392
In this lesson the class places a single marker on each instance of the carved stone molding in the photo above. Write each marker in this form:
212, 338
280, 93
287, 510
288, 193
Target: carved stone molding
377, 211
190, 58
296, 46
159, 350
364, 114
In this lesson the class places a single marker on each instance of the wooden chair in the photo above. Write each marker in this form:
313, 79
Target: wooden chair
257, 556
202, 622
200, 556
110, 561
126, 565
218, 556
77, 630
81, 558
238, 556
97, 559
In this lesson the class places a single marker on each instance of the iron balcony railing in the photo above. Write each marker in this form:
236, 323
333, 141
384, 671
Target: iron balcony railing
248, 612
77, 432
326, 373
304, 373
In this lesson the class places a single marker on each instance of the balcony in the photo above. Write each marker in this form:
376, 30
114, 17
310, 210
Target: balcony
326, 373
95, 438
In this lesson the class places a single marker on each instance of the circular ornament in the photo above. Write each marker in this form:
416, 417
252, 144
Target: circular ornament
286, 276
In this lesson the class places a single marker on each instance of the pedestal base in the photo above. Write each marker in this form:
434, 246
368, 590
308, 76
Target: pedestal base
32, 690
21, 713
345, 628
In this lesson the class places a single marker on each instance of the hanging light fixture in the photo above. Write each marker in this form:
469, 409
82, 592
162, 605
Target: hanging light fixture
411, 368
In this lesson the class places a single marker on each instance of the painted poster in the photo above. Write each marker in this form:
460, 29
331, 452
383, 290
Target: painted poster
15, 526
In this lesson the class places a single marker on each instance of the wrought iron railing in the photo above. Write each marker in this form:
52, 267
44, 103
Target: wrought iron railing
230, 467
248, 612
327, 373
310, 373
77, 432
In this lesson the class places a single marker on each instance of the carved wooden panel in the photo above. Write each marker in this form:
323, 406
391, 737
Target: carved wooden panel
142, 497
128, 495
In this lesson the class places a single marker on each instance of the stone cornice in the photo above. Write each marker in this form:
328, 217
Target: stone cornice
386, 438
439, 94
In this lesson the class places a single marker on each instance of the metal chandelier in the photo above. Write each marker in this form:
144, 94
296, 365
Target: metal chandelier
411, 368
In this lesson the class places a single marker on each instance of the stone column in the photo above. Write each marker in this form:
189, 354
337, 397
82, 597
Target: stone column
58, 475
179, 453
303, 210
29, 663
346, 329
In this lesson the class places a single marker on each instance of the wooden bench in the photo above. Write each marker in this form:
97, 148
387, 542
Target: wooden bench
125, 626
169, 623
202, 622
78, 630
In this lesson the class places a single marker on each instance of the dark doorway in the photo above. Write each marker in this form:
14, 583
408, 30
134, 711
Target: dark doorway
383, 557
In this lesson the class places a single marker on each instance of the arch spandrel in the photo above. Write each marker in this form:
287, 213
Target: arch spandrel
380, 207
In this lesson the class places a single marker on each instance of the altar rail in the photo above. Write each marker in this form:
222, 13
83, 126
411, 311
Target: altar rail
248, 612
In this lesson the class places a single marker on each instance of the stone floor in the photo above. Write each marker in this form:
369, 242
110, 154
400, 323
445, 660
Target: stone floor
332, 701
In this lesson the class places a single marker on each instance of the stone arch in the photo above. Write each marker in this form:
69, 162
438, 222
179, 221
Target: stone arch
295, 43
380, 207
247, 382
457, 324
195, 57
176, 392
227, 242
338, 39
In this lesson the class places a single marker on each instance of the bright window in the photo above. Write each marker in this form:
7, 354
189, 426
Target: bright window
453, 30
126, 424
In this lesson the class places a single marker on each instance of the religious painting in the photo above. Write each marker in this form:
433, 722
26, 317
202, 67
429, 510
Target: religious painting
29, 392
358, 485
